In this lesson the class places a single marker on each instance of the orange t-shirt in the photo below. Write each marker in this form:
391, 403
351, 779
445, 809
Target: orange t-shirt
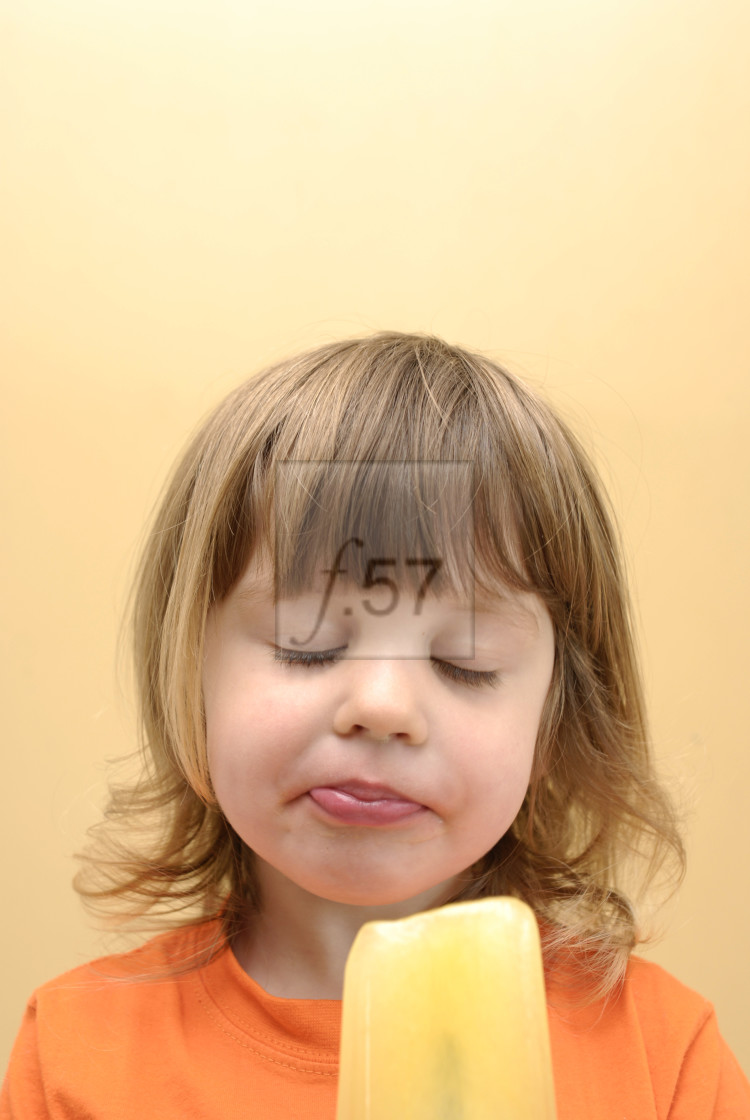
104, 1042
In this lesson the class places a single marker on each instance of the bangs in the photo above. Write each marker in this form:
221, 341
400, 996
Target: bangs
368, 520
403, 459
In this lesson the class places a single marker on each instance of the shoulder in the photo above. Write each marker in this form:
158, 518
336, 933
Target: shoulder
133, 976
111, 1006
172, 950
100, 1031
653, 1049
648, 999
680, 1028
661, 1001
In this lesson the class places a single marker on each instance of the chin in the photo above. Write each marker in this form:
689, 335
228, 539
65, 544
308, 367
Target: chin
374, 895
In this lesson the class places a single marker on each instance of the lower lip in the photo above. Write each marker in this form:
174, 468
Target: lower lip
349, 809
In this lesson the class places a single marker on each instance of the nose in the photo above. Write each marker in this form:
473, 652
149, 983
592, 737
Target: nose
381, 702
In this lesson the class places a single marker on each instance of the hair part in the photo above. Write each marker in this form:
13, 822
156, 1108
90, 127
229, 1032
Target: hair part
540, 524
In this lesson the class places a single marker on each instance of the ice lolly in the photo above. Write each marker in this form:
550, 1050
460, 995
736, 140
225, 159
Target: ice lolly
444, 1018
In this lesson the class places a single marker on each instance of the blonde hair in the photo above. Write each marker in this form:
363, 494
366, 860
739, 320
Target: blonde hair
540, 524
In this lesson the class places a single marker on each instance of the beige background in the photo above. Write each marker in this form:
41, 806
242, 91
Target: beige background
194, 189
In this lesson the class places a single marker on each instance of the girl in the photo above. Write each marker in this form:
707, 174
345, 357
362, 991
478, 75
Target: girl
385, 663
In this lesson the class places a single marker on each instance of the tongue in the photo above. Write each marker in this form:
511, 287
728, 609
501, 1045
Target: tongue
364, 807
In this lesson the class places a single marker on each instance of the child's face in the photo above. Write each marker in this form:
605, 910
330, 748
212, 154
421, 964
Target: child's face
377, 772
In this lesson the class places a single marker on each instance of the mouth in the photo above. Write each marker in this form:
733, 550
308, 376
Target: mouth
364, 803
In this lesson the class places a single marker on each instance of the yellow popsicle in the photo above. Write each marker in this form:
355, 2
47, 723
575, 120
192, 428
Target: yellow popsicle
444, 1018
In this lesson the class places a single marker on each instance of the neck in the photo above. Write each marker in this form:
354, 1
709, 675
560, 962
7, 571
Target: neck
297, 946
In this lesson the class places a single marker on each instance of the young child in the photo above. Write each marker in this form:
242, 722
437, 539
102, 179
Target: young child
385, 663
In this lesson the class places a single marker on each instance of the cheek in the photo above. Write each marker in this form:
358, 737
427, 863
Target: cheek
237, 745
503, 782
253, 737
234, 731
239, 775
497, 764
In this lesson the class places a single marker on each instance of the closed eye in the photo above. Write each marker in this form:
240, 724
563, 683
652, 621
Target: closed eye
474, 678
309, 659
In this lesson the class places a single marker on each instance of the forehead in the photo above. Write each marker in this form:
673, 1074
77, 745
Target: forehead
258, 584
499, 604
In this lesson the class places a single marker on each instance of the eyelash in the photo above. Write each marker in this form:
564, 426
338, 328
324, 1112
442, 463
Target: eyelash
308, 659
